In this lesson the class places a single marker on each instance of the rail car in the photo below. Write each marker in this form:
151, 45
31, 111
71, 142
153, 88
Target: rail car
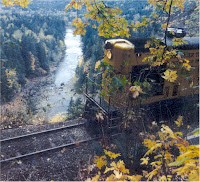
119, 51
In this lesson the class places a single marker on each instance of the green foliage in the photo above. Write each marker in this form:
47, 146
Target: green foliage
75, 108
112, 83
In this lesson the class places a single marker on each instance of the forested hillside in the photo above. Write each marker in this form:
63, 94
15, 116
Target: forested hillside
30, 42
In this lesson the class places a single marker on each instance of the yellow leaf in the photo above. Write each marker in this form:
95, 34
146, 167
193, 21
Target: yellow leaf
67, 7
179, 121
163, 178
191, 84
111, 178
19, 162
164, 26
134, 29
108, 169
168, 130
149, 143
100, 161
135, 178
63, 150
111, 155
120, 166
157, 156
158, 145
151, 174
118, 175
168, 156
96, 178
170, 75
145, 160
135, 90
156, 163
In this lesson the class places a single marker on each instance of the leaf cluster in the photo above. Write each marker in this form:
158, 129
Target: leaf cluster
110, 23
111, 169
22, 3
171, 157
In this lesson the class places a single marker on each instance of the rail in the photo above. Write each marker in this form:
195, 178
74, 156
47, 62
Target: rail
53, 148
42, 132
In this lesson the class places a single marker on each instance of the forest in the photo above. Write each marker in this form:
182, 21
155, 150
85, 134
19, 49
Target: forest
110, 88
31, 43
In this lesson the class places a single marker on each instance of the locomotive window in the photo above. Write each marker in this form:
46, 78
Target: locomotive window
175, 90
141, 73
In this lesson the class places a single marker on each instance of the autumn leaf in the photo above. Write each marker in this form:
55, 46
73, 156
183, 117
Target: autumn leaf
96, 178
166, 129
168, 156
19, 162
99, 117
149, 143
108, 169
63, 150
170, 75
120, 166
111, 178
111, 154
100, 161
179, 121
118, 175
135, 178
163, 178
145, 160
156, 163
151, 174
135, 91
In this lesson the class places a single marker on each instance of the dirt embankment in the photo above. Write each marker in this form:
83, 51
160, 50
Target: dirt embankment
21, 110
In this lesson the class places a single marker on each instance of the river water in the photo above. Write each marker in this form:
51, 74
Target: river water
55, 97
73, 54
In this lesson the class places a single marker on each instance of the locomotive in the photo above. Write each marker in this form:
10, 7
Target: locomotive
165, 99
119, 51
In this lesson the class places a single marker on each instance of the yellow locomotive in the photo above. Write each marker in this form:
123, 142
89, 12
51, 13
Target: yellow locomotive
119, 51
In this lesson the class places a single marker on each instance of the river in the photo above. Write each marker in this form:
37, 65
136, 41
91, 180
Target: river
55, 97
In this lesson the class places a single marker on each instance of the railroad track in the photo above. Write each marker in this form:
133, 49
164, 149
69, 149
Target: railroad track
31, 144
